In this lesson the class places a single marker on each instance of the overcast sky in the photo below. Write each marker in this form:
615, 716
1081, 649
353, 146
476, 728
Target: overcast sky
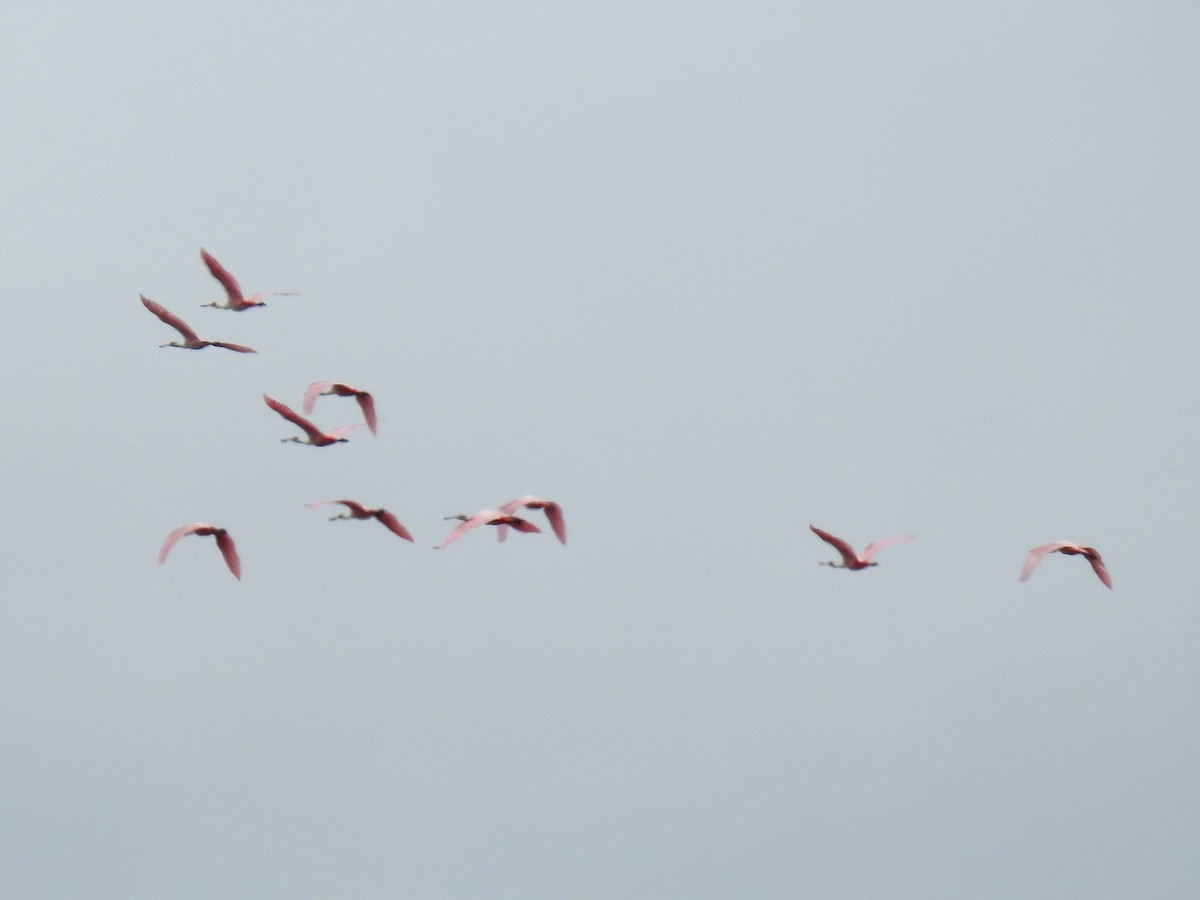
703, 273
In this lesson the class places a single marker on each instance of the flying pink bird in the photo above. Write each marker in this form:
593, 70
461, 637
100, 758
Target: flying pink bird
485, 517
190, 340
233, 291
315, 436
850, 559
358, 511
327, 388
1091, 554
553, 515
224, 544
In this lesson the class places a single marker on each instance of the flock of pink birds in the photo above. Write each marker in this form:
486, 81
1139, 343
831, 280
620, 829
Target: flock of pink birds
502, 518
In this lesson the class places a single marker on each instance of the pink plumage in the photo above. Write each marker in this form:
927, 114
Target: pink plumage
224, 544
850, 559
356, 510
1068, 548
340, 389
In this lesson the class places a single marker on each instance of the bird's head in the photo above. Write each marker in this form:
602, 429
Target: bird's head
462, 517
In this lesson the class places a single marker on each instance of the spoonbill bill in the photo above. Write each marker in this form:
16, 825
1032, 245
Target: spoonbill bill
190, 340
358, 511
236, 300
1091, 554
314, 435
850, 559
552, 510
485, 517
224, 544
330, 388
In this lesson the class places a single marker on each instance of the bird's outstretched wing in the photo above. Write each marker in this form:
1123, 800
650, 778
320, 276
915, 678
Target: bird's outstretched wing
175, 536
465, 526
236, 348
875, 546
232, 289
169, 318
367, 404
295, 418
1100, 570
1037, 553
312, 392
393, 524
847, 552
229, 551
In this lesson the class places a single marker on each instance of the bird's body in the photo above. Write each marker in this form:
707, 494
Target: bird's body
486, 517
224, 544
190, 340
234, 298
552, 510
336, 388
358, 511
1068, 548
850, 559
313, 435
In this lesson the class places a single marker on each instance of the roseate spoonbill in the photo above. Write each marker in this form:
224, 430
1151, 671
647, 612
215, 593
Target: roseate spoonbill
315, 436
1091, 554
190, 340
327, 388
850, 559
485, 517
552, 510
233, 291
224, 544
358, 511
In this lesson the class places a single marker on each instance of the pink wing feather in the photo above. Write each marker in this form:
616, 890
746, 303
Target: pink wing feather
875, 546
847, 552
232, 289
229, 551
175, 536
312, 392
393, 524
169, 318
367, 404
1038, 553
309, 428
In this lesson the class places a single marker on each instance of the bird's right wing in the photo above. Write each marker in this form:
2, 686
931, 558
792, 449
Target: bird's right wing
1037, 553
309, 428
229, 551
367, 404
848, 555
219, 272
463, 528
557, 522
174, 537
169, 318
312, 392
393, 524
1100, 570
875, 546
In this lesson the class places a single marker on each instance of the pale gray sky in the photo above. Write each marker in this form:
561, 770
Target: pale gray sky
703, 273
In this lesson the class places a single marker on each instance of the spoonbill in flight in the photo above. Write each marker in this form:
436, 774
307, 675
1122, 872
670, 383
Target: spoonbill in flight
850, 559
190, 340
485, 517
315, 436
233, 291
553, 515
358, 511
1091, 554
224, 544
327, 388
